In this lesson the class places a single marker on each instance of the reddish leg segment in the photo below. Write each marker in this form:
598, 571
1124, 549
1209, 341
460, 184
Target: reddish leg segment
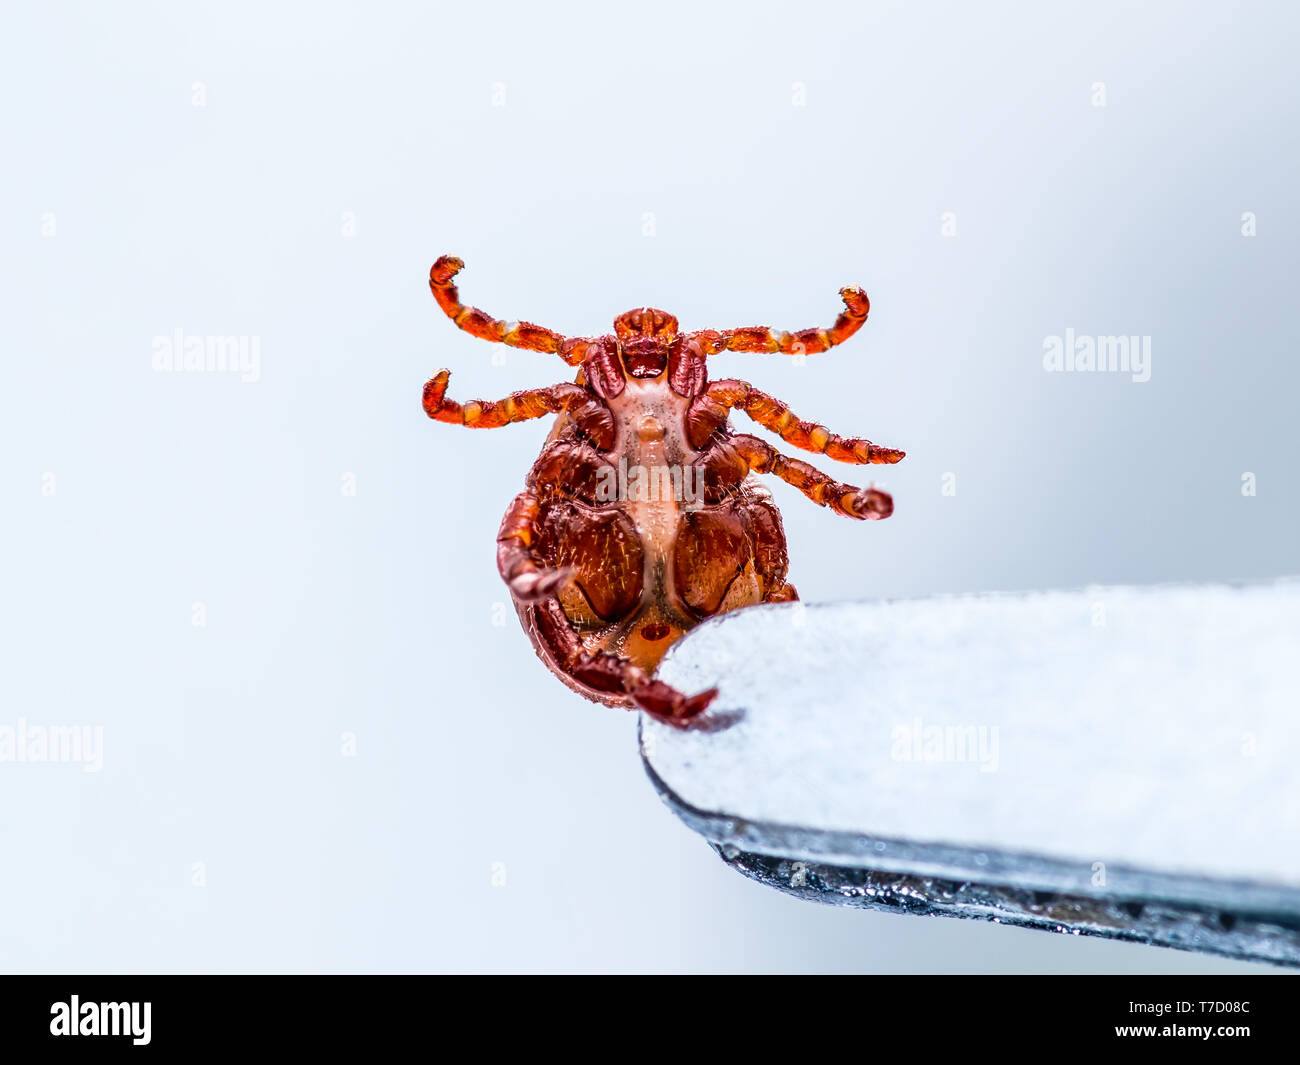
482, 325
516, 561
612, 675
772, 414
804, 342
592, 417
866, 504
768, 538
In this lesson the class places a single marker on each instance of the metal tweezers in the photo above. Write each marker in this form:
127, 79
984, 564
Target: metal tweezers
1113, 761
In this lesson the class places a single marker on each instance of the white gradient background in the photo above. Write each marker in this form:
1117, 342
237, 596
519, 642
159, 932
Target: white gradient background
373, 614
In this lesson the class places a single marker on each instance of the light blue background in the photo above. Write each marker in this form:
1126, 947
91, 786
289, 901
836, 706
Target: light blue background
373, 614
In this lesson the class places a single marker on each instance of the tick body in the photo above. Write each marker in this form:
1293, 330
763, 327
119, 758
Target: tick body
645, 514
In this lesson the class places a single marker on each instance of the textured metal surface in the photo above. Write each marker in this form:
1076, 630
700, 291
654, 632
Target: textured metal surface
1125, 759
1235, 934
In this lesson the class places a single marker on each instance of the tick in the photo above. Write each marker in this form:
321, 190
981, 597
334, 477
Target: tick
644, 513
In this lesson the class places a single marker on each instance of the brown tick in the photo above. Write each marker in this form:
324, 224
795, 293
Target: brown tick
644, 513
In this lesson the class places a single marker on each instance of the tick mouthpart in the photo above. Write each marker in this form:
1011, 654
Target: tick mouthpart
644, 357
645, 322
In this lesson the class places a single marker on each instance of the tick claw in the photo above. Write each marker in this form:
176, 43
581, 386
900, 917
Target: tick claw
871, 504
697, 704
447, 267
551, 581
435, 391
542, 584
670, 706
855, 299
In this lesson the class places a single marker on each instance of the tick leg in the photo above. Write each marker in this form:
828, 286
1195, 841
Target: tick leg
767, 535
867, 504
804, 342
488, 414
516, 561
485, 327
610, 675
772, 414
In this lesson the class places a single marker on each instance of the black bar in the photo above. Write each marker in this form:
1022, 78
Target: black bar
373, 1014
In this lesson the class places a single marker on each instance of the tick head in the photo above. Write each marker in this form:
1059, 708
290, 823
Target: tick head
644, 356
644, 336
645, 322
